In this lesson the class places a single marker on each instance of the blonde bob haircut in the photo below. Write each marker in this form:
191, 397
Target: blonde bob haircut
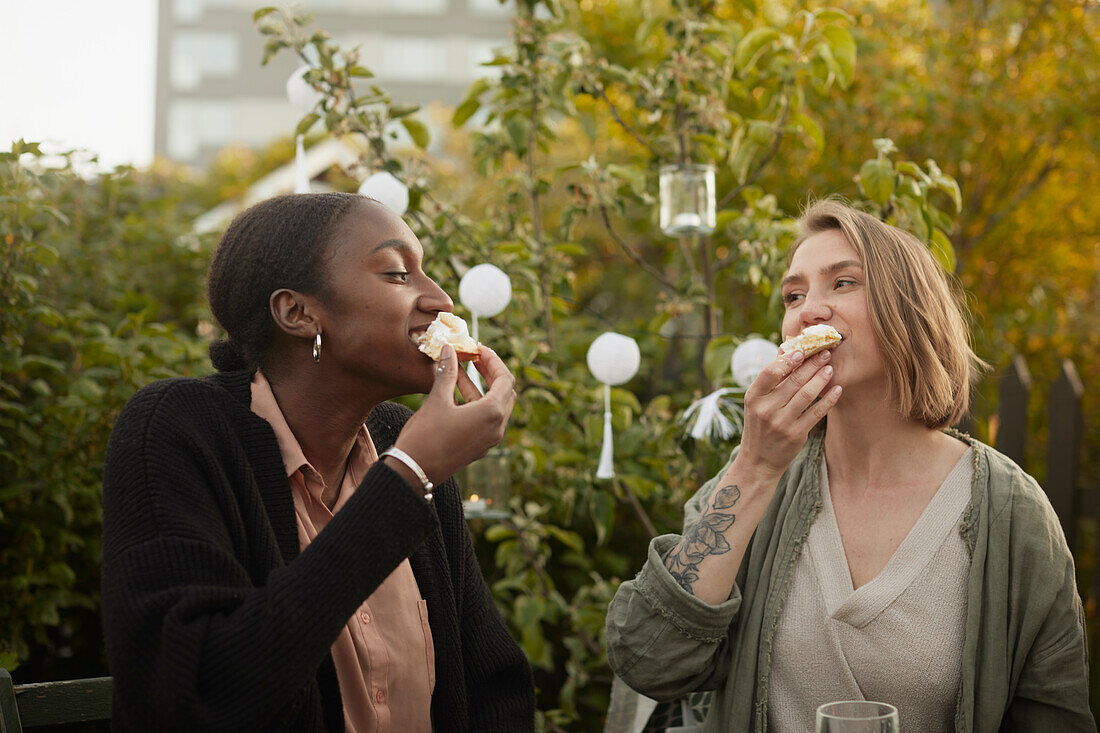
916, 310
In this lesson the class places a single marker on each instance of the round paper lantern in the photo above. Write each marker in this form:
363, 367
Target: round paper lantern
485, 290
750, 358
300, 93
613, 358
384, 188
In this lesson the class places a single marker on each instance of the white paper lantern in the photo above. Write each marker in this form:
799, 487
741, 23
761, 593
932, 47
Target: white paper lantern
300, 93
613, 358
750, 358
384, 188
485, 290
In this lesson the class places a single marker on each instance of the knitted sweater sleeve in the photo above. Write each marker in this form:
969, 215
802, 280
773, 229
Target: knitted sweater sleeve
207, 628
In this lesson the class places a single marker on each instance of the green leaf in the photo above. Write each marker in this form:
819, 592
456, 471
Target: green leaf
360, 71
477, 88
262, 12
535, 647
844, 51
272, 46
716, 357
829, 15
499, 532
34, 362
943, 250
465, 111
402, 109
570, 248
760, 132
620, 396
567, 538
511, 248
418, 131
726, 217
506, 550
877, 180
826, 53
61, 575
810, 128
368, 99
950, 186
87, 390
528, 611
746, 151
751, 45
914, 213
602, 515
306, 122
912, 170
517, 132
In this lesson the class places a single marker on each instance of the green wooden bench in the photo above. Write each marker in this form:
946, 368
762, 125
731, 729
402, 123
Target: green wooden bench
52, 703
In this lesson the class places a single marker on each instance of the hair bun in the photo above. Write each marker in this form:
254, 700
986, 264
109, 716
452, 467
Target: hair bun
226, 356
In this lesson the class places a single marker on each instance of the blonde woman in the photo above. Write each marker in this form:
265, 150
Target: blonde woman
882, 556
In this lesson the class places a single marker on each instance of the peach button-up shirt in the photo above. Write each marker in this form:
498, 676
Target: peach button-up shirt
385, 661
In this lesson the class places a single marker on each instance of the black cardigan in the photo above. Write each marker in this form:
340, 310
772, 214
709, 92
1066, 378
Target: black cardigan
212, 617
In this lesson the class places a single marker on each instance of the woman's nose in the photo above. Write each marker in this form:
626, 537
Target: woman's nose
435, 299
815, 310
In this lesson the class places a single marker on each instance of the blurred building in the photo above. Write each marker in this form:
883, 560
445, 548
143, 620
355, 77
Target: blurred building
212, 91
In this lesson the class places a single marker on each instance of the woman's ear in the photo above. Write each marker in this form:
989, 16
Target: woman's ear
294, 313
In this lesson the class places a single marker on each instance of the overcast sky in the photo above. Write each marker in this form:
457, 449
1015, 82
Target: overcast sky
80, 73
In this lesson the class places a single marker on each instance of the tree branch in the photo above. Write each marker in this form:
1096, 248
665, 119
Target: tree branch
639, 511
622, 123
638, 260
751, 178
536, 209
1009, 206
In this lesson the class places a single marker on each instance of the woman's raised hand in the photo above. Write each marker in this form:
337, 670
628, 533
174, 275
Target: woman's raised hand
444, 436
780, 410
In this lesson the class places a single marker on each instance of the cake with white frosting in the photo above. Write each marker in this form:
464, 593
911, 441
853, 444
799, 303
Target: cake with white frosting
812, 340
447, 328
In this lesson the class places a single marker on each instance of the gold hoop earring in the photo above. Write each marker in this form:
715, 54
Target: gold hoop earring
317, 348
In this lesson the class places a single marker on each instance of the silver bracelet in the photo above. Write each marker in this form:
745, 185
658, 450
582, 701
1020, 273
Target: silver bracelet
405, 458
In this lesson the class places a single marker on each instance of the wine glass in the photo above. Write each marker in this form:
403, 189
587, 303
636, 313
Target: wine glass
857, 716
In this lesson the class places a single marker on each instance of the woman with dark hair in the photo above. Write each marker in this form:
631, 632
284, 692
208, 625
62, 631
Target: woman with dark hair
879, 555
283, 549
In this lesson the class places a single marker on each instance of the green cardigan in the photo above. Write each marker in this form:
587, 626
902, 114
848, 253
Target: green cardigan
1024, 664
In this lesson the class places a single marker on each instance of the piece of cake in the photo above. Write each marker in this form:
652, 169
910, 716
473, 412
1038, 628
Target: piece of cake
447, 328
812, 340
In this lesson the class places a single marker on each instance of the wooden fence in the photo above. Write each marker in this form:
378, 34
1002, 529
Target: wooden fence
1063, 480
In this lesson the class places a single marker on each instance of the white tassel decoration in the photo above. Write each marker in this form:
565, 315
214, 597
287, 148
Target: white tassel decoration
716, 416
301, 178
606, 468
471, 370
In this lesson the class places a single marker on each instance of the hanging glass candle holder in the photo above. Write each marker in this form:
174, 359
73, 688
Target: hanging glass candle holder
687, 199
487, 485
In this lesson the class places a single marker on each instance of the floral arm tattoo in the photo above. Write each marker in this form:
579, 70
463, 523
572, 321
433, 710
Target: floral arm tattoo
704, 538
